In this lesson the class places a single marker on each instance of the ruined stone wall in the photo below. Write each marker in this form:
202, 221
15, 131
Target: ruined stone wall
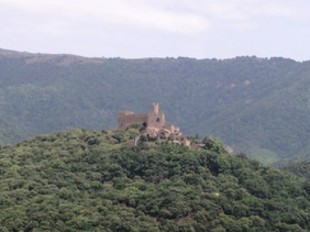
170, 127
125, 119
156, 120
156, 126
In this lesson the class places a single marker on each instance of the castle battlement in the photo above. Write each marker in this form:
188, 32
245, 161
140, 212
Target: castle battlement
131, 114
154, 122
127, 113
154, 119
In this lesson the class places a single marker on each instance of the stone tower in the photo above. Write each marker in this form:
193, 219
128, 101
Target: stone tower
155, 108
155, 120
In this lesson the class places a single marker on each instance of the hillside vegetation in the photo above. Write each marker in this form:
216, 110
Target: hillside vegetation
82, 180
300, 168
260, 106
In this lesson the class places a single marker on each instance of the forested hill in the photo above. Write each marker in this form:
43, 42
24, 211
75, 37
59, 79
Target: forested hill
300, 168
82, 180
261, 106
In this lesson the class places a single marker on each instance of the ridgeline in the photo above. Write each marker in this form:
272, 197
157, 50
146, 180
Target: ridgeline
260, 106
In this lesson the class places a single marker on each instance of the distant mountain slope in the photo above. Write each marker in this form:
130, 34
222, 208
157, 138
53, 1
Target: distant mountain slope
261, 106
300, 168
82, 180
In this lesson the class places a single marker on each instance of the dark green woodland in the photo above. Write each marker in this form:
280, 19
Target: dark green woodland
83, 180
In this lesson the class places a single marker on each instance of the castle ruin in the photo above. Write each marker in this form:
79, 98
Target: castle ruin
155, 124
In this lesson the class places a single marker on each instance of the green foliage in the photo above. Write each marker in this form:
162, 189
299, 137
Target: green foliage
82, 180
214, 144
300, 168
252, 104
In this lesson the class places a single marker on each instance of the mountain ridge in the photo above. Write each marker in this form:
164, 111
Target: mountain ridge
6, 52
256, 105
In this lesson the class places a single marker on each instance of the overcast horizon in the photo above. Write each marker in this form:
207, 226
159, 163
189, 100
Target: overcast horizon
163, 28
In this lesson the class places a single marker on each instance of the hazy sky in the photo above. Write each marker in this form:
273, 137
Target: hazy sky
158, 28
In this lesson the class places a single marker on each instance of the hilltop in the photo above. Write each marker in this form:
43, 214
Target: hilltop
83, 180
256, 105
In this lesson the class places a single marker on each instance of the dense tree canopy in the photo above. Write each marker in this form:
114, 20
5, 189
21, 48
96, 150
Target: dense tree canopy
300, 168
82, 180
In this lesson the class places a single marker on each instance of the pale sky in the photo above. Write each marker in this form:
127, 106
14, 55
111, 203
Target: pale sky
158, 28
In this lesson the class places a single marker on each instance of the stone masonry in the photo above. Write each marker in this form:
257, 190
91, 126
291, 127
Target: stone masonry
154, 123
